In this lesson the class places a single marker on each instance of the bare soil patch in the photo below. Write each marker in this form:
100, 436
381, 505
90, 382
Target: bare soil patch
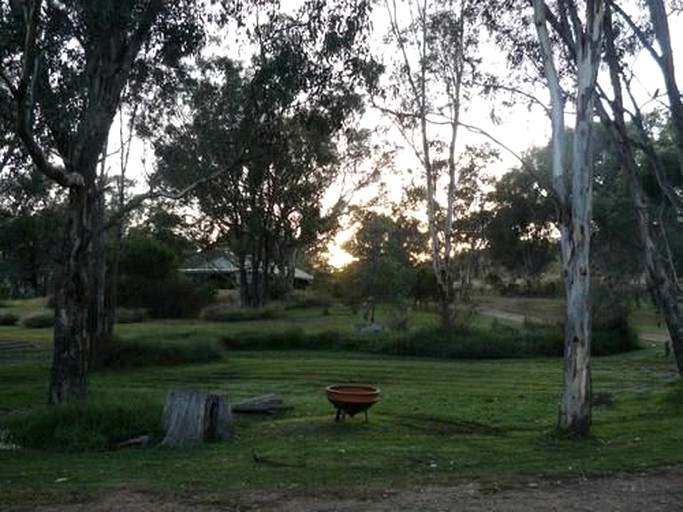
654, 490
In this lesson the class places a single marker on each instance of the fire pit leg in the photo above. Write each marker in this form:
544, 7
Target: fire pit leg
366, 415
341, 414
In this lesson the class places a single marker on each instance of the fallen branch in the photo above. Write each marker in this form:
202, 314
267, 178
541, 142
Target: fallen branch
264, 404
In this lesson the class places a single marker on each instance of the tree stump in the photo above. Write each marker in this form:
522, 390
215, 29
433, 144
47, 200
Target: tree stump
194, 417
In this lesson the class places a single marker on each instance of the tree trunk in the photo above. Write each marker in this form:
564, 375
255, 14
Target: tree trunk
194, 417
663, 287
584, 43
69, 375
98, 280
446, 306
665, 61
575, 410
660, 275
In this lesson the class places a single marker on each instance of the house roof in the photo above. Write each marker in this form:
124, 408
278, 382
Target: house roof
222, 262
209, 264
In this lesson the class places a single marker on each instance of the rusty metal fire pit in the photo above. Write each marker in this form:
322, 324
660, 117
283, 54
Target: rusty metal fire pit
352, 398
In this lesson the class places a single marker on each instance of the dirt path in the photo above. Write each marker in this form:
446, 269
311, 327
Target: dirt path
493, 310
658, 490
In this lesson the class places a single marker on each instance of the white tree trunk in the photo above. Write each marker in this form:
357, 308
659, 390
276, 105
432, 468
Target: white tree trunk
575, 209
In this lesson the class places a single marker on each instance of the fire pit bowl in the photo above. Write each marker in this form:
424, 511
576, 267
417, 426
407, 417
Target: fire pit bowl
352, 398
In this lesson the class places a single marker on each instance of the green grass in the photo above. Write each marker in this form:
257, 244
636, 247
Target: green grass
437, 422
158, 352
645, 318
551, 310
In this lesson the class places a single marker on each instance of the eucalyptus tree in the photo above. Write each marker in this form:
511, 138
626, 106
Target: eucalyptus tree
619, 109
436, 44
386, 251
268, 132
520, 230
64, 67
573, 189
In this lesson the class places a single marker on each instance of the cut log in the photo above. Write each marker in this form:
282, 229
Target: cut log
264, 404
194, 417
143, 441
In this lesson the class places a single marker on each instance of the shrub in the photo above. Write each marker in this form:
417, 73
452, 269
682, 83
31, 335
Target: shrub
397, 319
7, 318
131, 315
38, 320
93, 426
174, 297
155, 352
231, 296
308, 299
292, 338
500, 341
613, 339
226, 313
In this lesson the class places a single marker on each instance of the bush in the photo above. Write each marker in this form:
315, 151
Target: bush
231, 296
466, 343
174, 297
614, 339
498, 342
155, 352
292, 338
397, 319
227, 313
7, 318
131, 315
308, 299
38, 320
93, 426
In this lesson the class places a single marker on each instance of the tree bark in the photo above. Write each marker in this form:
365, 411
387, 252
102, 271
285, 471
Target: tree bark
660, 273
98, 279
194, 417
665, 61
68, 379
79, 135
264, 404
584, 44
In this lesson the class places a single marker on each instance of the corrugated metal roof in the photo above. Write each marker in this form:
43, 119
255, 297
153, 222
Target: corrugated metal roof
212, 263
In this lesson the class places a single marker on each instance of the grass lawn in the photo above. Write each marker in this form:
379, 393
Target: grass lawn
438, 421
643, 316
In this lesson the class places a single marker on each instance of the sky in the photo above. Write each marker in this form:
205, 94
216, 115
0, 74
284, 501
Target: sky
521, 128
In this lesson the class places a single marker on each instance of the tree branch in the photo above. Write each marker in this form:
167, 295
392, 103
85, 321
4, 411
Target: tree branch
23, 114
136, 201
519, 92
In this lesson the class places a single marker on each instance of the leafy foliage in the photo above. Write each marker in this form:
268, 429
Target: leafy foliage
8, 318
148, 279
498, 341
130, 316
520, 230
226, 313
97, 425
385, 250
30, 243
38, 320
266, 135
